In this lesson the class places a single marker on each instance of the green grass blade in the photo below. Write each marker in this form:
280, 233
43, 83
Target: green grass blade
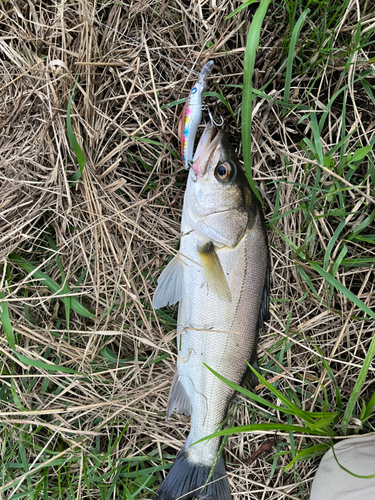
325, 114
65, 289
332, 243
342, 289
247, 94
275, 215
9, 334
342, 142
362, 226
371, 476
370, 353
317, 139
222, 99
333, 380
288, 404
118, 439
251, 395
308, 453
81, 160
330, 418
358, 386
243, 6
44, 366
290, 408
15, 397
296, 31
79, 280
273, 427
113, 484
5, 321
51, 284
307, 280
369, 408
156, 143
360, 153
368, 89
174, 103
291, 441
339, 259
316, 150
219, 96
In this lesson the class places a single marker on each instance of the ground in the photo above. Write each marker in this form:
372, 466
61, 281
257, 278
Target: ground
92, 188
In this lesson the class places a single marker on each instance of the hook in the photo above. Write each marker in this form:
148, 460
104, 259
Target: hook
206, 108
213, 121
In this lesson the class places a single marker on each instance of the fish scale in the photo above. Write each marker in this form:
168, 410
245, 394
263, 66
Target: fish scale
226, 353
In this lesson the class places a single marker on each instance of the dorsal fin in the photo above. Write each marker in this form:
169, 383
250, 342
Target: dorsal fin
264, 312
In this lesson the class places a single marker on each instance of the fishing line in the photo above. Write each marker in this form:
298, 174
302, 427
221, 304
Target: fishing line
182, 66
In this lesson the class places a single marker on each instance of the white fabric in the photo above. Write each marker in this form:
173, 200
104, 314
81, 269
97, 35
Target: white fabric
333, 483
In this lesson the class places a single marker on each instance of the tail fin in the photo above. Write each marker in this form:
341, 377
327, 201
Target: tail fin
186, 479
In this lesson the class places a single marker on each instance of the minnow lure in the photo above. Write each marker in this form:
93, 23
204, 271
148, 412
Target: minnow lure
192, 115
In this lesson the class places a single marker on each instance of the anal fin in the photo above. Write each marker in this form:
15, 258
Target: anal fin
213, 272
178, 399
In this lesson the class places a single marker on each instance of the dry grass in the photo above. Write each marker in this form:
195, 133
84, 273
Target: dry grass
116, 228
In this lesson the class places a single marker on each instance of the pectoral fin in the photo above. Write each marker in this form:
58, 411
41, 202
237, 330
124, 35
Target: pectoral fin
213, 272
169, 289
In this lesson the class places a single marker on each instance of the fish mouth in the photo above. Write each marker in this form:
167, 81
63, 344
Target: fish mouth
206, 146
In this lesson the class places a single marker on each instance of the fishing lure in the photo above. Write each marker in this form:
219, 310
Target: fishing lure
192, 115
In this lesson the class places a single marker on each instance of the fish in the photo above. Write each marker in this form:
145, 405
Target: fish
220, 277
192, 115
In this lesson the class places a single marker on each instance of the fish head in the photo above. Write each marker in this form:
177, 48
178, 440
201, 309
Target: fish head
218, 199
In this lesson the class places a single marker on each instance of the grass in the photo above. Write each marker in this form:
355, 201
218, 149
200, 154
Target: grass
247, 93
91, 202
81, 160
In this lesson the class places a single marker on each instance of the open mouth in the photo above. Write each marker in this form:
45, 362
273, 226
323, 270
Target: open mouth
207, 144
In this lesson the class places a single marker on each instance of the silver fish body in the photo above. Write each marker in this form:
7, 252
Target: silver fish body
221, 280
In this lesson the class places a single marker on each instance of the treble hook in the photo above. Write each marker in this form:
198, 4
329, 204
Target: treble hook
206, 108
213, 121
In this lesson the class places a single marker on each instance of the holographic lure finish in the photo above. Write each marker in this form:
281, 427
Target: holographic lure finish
192, 115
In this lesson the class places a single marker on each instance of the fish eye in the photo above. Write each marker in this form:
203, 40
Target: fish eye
224, 171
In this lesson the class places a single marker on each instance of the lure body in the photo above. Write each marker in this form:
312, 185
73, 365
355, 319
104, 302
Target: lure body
192, 116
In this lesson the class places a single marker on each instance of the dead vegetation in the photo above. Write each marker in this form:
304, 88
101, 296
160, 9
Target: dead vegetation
105, 238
